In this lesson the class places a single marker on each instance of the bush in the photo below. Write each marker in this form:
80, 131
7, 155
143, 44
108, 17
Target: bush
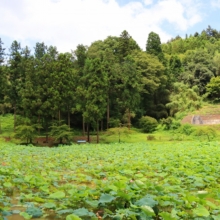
209, 132
166, 123
175, 125
162, 114
148, 124
115, 131
61, 132
170, 123
186, 129
150, 138
26, 130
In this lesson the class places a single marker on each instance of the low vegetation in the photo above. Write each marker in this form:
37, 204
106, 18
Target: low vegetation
150, 163
114, 181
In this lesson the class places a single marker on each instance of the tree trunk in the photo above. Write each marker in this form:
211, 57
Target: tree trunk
39, 124
46, 132
59, 116
88, 134
108, 113
101, 125
15, 118
83, 124
69, 119
129, 119
97, 131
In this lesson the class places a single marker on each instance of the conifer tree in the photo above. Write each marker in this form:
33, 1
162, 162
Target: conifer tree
16, 76
95, 84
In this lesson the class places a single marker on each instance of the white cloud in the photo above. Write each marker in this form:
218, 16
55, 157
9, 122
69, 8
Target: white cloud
67, 23
148, 2
216, 3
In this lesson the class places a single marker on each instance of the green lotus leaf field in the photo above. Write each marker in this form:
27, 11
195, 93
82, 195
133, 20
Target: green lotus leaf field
114, 181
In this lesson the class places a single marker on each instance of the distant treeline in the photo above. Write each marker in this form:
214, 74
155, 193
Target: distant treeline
111, 82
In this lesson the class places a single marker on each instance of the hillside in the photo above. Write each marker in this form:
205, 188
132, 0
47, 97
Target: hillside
209, 114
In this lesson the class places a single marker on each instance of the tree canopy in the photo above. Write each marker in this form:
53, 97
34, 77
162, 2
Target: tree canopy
111, 80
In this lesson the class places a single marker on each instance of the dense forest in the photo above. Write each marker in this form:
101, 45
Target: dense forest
110, 83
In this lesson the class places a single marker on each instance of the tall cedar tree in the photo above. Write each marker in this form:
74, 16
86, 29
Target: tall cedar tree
95, 84
16, 76
126, 45
62, 85
40, 50
3, 79
80, 55
108, 52
153, 46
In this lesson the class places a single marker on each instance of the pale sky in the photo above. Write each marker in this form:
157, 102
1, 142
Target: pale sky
67, 23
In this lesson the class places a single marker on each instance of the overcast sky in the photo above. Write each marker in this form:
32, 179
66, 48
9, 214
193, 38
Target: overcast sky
67, 23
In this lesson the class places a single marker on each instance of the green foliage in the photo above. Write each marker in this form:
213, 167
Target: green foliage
169, 123
72, 217
151, 71
40, 50
61, 132
115, 181
114, 122
179, 45
152, 84
126, 44
16, 72
80, 54
123, 131
148, 124
2, 52
34, 212
184, 99
166, 123
151, 137
208, 132
62, 84
26, 130
175, 67
186, 129
94, 95
6, 122
111, 78
153, 45
199, 69
213, 89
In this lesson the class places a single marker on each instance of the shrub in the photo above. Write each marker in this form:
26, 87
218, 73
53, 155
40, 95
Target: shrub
148, 124
26, 130
162, 114
115, 131
61, 132
175, 125
186, 129
169, 123
209, 132
150, 138
176, 138
166, 123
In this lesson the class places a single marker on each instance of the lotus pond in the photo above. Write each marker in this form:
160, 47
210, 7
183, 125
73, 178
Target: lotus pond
116, 181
